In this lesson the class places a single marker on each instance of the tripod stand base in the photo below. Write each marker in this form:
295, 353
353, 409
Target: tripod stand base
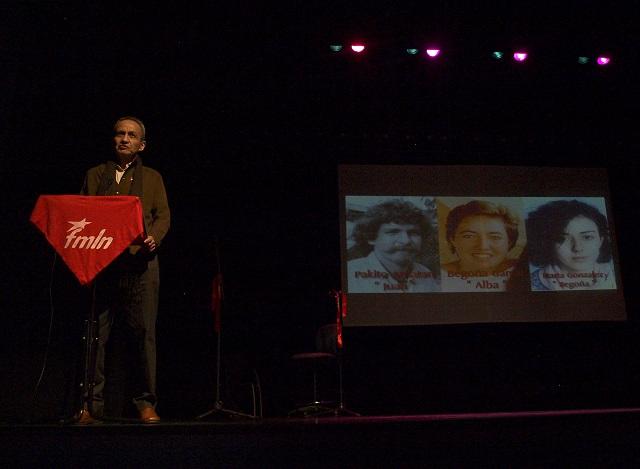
219, 410
343, 411
319, 409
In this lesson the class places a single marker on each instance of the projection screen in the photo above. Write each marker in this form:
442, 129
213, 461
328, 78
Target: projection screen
475, 244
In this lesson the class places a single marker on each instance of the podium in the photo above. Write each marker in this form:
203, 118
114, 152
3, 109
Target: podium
88, 233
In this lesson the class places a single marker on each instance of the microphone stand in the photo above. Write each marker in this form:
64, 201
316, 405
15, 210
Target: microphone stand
218, 406
83, 415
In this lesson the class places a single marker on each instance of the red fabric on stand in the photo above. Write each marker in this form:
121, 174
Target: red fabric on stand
216, 301
341, 299
89, 232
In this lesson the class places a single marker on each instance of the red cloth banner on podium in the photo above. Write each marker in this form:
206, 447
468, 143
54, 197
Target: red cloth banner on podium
89, 232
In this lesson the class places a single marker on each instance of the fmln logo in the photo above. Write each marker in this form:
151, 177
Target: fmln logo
86, 242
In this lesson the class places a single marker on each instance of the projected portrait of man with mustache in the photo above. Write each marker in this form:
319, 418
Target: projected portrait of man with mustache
393, 233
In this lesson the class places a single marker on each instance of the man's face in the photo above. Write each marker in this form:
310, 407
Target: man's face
481, 243
397, 244
127, 140
579, 247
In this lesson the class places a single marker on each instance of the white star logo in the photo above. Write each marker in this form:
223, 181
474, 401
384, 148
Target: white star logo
78, 225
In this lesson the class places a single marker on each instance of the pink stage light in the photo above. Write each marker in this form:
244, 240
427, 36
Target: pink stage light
520, 56
603, 60
433, 52
357, 48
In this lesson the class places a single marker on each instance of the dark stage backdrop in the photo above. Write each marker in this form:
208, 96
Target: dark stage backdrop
248, 118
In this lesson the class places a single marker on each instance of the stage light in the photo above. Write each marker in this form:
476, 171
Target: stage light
603, 60
412, 51
582, 60
497, 55
357, 48
520, 56
433, 53
335, 47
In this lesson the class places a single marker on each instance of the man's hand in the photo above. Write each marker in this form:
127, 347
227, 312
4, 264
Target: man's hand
150, 243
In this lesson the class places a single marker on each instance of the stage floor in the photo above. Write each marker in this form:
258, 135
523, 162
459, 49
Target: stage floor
589, 437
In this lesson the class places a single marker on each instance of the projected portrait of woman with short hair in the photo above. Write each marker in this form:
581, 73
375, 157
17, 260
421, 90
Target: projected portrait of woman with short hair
389, 242
570, 247
481, 236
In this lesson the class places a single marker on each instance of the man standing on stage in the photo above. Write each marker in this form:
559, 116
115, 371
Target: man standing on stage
127, 291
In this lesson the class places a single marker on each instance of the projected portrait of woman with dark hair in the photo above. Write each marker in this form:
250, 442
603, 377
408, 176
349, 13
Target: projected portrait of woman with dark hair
481, 236
390, 240
570, 246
